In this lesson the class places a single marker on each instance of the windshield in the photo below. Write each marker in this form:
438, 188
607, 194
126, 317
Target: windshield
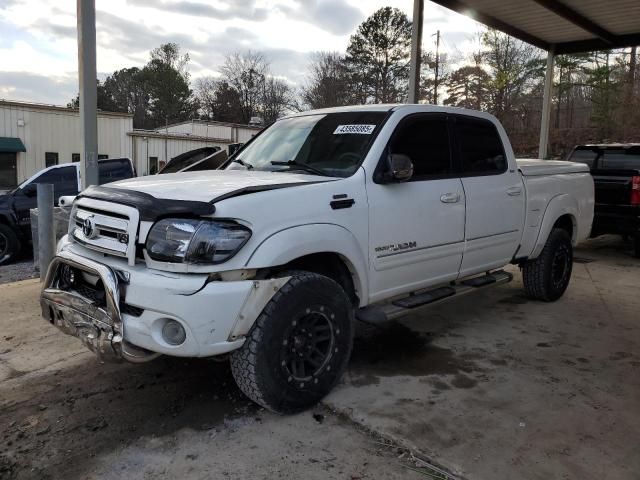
332, 144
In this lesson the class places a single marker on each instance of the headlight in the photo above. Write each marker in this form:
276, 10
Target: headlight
195, 241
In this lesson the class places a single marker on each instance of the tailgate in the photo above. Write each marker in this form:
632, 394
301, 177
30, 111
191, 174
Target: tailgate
613, 187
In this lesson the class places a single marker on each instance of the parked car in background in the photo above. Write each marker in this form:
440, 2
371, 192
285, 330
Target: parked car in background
371, 211
616, 173
15, 221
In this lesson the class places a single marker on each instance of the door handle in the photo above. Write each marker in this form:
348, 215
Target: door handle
450, 197
514, 191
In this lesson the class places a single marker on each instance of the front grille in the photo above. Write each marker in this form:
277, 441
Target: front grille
107, 232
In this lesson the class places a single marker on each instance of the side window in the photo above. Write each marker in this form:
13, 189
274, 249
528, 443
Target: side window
102, 156
480, 147
425, 140
112, 170
620, 159
68, 179
50, 159
51, 176
75, 157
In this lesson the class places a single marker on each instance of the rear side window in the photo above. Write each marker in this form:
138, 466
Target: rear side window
583, 156
113, 170
480, 147
425, 140
620, 159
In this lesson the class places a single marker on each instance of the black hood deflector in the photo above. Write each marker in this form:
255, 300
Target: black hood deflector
149, 207
152, 208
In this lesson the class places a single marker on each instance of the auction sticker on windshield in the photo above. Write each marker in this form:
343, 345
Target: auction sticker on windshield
358, 129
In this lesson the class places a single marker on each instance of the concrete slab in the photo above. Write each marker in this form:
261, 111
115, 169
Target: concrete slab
497, 386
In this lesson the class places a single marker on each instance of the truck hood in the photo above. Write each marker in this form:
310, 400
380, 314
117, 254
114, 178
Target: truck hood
207, 186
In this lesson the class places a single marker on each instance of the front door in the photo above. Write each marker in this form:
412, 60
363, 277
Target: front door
416, 227
495, 196
8, 172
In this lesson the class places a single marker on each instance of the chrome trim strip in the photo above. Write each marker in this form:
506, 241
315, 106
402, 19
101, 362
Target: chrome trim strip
492, 235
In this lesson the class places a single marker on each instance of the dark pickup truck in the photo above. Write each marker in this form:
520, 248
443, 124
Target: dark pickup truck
616, 173
15, 206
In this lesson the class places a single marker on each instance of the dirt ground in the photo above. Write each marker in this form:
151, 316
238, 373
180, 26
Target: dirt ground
65, 416
490, 387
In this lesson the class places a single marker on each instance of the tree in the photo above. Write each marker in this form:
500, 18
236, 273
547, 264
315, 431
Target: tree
167, 83
128, 92
218, 100
328, 82
378, 57
467, 87
104, 100
246, 73
278, 97
513, 67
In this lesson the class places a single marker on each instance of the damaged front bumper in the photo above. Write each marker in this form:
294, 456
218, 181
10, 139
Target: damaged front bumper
120, 315
99, 327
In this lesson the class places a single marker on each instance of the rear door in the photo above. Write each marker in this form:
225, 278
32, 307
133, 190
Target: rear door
494, 194
416, 228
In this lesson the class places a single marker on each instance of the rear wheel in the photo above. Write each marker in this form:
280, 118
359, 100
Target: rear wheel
636, 245
547, 277
299, 346
9, 244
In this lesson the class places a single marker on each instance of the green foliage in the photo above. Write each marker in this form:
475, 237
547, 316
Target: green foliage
468, 87
378, 57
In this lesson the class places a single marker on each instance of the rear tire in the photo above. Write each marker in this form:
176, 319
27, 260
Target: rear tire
9, 244
298, 347
547, 277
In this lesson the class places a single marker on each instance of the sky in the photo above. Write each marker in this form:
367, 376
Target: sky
39, 52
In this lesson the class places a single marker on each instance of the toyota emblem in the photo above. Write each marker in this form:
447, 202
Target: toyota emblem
89, 227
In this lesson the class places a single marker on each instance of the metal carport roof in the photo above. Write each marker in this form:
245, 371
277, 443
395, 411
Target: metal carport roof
566, 26
558, 26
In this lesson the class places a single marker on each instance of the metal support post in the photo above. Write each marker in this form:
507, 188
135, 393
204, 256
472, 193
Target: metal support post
46, 232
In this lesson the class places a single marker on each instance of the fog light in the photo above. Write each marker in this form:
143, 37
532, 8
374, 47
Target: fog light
173, 333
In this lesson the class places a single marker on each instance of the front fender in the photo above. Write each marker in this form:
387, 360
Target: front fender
558, 206
289, 244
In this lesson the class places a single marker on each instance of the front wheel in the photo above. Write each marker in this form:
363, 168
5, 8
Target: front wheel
299, 346
547, 277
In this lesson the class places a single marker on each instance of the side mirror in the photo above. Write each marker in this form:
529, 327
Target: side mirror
30, 190
400, 167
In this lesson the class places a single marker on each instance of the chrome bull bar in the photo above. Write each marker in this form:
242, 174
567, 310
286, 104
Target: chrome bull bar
99, 327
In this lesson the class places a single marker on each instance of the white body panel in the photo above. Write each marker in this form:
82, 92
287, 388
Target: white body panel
395, 237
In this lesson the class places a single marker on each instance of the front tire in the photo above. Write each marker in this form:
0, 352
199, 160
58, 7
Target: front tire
9, 244
547, 277
299, 346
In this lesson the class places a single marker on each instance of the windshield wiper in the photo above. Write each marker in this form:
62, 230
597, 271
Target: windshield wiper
301, 166
246, 165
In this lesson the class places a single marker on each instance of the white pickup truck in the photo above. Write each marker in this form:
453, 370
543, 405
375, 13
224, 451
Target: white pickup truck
326, 216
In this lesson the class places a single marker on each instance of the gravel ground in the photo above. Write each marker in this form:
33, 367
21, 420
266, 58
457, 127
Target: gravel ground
23, 269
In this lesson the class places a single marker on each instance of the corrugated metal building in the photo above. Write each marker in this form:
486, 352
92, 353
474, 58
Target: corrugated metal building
35, 136
235, 132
